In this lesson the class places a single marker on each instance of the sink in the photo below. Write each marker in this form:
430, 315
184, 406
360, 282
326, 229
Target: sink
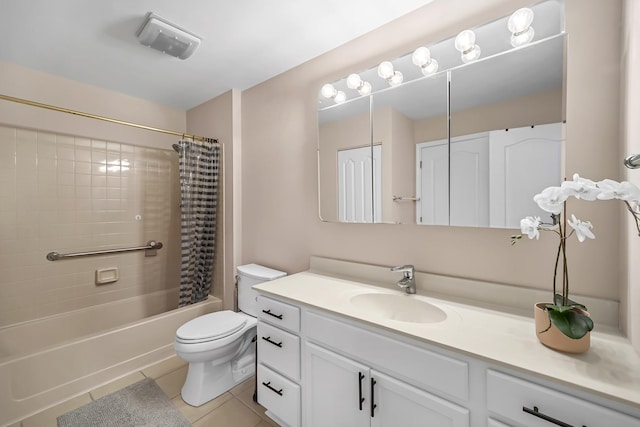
402, 307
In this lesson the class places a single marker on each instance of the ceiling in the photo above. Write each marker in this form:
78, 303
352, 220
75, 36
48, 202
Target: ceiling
245, 42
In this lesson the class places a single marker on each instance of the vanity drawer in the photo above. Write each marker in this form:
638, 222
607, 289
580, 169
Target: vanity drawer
426, 369
510, 398
278, 313
279, 350
280, 396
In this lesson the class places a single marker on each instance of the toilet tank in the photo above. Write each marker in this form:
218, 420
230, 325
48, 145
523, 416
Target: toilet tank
249, 275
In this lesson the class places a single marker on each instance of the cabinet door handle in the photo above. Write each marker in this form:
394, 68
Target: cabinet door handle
268, 385
373, 405
277, 316
269, 340
536, 413
360, 398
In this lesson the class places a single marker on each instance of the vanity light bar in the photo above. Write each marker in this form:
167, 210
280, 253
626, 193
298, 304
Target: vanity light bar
519, 25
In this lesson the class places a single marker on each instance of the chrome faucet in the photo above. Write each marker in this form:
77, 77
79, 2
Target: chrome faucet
408, 281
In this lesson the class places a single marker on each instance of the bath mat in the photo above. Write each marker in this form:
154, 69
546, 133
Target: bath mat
142, 404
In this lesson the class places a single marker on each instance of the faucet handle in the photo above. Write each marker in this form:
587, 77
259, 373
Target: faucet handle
408, 270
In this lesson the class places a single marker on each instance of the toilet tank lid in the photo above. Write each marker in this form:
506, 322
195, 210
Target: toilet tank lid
256, 271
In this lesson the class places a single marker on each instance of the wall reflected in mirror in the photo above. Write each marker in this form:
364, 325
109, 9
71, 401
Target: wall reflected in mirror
468, 145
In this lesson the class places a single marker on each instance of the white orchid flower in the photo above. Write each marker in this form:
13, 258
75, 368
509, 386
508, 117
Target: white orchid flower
530, 226
583, 228
581, 188
625, 190
551, 199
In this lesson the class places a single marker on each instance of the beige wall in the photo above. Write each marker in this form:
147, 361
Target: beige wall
281, 225
220, 117
26, 83
631, 145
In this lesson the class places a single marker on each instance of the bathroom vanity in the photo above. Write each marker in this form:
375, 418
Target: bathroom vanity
337, 352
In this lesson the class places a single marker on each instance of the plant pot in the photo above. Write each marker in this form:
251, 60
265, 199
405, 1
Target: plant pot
553, 338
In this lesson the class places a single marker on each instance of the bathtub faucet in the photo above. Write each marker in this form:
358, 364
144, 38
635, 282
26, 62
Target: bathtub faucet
408, 281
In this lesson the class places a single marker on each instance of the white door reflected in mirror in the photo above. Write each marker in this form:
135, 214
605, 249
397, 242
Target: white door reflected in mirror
359, 184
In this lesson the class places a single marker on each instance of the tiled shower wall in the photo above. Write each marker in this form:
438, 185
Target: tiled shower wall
70, 194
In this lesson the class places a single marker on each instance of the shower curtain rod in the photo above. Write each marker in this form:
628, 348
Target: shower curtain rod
106, 119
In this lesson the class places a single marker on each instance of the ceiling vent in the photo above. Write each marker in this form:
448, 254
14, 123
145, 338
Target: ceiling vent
160, 34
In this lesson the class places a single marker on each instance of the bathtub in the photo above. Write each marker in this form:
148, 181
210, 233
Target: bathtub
48, 361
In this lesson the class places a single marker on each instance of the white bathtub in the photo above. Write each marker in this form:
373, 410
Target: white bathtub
47, 361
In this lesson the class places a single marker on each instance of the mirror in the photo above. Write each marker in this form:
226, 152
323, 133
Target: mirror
467, 146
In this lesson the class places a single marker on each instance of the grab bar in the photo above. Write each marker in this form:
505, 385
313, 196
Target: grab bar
410, 198
632, 161
150, 250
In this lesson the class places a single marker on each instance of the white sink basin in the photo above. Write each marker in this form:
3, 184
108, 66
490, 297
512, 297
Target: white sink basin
402, 307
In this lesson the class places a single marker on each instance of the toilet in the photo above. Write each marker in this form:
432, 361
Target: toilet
220, 347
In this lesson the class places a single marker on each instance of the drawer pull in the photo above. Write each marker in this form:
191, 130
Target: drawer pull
270, 341
360, 398
268, 385
277, 316
536, 413
373, 405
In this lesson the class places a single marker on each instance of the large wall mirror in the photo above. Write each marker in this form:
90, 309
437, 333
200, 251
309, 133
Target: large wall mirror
467, 144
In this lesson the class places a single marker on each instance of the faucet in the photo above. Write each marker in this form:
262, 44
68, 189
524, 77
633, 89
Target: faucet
408, 281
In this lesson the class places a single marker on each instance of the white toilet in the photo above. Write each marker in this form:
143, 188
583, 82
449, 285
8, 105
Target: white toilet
220, 346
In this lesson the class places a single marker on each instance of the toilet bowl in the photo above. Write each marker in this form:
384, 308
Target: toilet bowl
220, 346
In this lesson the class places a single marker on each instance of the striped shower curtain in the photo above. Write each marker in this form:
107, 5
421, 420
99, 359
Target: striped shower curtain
199, 171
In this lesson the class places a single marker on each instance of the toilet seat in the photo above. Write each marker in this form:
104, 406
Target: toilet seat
210, 327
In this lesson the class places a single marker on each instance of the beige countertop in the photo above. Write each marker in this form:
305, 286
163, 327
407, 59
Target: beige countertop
611, 368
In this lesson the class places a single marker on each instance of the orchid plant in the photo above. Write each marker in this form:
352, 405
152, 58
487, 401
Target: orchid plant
569, 316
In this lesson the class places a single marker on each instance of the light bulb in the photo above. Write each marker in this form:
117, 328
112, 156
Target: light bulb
340, 97
520, 20
465, 41
354, 81
396, 79
365, 89
520, 39
471, 54
421, 56
328, 91
385, 70
430, 68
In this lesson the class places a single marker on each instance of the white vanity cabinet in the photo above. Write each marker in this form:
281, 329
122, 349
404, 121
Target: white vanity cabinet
318, 369
344, 393
278, 353
522, 403
363, 379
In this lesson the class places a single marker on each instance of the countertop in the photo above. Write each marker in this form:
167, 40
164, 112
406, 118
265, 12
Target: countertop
611, 368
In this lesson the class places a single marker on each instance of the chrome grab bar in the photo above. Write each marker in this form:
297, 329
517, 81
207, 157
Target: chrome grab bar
632, 161
410, 198
150, 249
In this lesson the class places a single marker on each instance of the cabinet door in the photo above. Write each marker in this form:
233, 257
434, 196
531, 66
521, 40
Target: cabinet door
399, 404
336, 390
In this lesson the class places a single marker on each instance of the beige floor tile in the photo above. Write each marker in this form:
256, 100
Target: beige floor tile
48, 418
172, 382
268, 421
193, 413
231, 414
249, 383
162, 368
246, 397
116, 385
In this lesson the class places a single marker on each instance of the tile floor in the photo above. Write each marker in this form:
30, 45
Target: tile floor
235, 408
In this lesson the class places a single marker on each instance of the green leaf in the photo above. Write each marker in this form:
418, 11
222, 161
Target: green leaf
558, 301
572, 323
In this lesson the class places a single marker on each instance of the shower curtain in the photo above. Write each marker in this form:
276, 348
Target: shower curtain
199, 171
